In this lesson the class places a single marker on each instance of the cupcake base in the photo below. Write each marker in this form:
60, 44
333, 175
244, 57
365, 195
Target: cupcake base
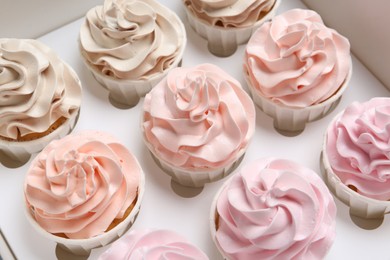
83, 247
223, 42
293, 120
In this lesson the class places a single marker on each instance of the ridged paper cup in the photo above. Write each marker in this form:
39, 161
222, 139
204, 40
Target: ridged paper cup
290, 119
84, 246
222, 41
128, 92
360, 206
214, 216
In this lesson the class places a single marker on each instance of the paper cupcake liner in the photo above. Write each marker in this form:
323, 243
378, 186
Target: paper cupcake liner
294, 119
213, 216
224, 41
128, 92
84, 246
359, 205
22, 151
198, 177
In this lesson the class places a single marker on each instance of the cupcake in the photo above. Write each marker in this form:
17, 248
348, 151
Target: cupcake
197, 123
356, 157
227, 24
153, 244
40, 98
297, 68
83, 191
273, 209
130, 45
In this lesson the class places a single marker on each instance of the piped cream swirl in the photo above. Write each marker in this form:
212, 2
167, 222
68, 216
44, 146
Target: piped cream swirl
295, 60
230, 13
131, 39
153, 244
358, 147
36, 88
275, 209
198, 118
79, 184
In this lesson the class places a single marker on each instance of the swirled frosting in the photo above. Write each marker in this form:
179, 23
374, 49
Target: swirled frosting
36, 88
295, 60
358, 147
79, 184
230, 13
275, 209
131, 39
153, 244
198, 118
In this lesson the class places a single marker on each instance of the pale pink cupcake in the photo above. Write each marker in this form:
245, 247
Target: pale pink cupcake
83, 191
197, 123
356, 157
273, 209
297, 68
227, 24
130, 45
153, 244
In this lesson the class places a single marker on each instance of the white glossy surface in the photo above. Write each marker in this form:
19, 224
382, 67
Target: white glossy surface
161, 207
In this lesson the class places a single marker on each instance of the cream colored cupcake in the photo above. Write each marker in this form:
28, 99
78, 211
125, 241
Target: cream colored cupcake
40, 97
198, 123
227, 24
130, 45
83, 191
297, 68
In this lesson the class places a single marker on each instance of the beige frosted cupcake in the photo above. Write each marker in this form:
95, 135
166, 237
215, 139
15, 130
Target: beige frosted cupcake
197, 123
40, 97
297, 68
227, 24
356, 157
83, 191
130, 45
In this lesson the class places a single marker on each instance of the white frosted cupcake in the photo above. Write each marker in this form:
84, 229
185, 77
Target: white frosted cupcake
197, 123
83, 191
273, 209
40, 97
356, 157
153, 244
297, 68
227, 24
130, 45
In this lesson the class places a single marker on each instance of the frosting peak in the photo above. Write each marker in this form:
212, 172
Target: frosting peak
358, 147
131, 39
79, 184
36, 88
198, 118
275, 209
296, 61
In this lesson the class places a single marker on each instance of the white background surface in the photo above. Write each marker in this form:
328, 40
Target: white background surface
161, 207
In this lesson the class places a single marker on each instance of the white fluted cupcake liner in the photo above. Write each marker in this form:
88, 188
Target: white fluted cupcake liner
359, 205
84, 246
214, 215
22, 151
291, 119
224, 41
196, 178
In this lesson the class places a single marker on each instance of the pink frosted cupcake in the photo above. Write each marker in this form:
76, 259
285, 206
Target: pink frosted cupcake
273, 209
197, 123
227, 24
40, 98
356, 157
130, 45
297, 68
83, 191
153, 244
